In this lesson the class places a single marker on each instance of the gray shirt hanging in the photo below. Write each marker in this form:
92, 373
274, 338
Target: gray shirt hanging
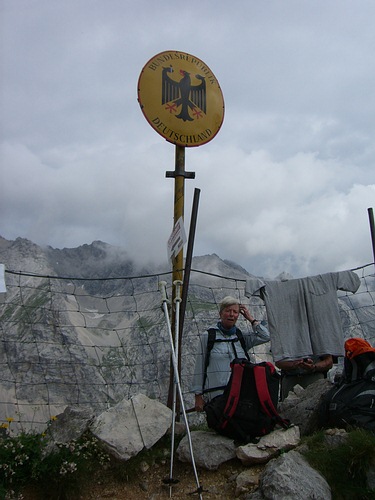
303, 314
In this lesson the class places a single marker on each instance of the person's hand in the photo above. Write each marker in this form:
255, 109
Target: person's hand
246, 313
308, 364
199, 402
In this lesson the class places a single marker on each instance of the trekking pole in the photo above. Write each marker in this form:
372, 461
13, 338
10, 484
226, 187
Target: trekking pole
163, 290
177, 301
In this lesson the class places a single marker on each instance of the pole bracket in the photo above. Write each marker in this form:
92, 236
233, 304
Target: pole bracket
180, 173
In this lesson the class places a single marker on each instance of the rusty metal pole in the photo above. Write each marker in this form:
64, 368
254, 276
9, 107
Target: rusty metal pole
188, 260
179, 174
179, 194
372, 229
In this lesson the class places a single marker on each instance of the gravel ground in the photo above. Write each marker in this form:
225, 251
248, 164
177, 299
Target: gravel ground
219, 484
149, 484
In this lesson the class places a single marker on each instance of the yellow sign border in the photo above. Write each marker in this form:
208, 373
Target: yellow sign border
181, 98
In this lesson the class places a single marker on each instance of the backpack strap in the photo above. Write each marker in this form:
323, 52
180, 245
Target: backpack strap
355, 371
242, 342
264, 395
370, 371
210, 344
234, 395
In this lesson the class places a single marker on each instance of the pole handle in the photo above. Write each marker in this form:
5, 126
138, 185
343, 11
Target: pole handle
178, 285
163, 291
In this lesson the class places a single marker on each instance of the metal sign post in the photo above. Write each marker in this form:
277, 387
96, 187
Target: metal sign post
179, 174
181, 99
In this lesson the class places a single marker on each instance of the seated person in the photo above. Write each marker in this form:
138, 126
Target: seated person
303, 371
210, 381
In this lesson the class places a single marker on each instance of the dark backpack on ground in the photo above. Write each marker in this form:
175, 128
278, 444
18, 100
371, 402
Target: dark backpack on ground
351, 403
247, 409
359, 361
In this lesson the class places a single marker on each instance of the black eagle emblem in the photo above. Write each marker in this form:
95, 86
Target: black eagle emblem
183, 93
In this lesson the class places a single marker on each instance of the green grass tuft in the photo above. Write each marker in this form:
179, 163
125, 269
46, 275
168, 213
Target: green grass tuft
345, 466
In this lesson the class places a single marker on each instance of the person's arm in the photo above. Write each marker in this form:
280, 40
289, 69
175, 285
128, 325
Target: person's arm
260, 334
199, 373
199, 402
289, 364
323, 365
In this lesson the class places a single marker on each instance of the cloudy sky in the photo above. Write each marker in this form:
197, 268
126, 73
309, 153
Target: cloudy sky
284, 186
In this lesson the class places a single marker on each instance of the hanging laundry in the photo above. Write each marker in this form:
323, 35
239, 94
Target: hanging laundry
3, 287
303, 314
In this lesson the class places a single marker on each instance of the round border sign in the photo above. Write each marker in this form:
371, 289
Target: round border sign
181, 98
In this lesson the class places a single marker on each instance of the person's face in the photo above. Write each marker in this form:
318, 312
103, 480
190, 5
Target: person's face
229, 316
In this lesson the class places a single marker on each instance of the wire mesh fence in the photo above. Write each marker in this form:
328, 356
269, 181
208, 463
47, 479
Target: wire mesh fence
69, 341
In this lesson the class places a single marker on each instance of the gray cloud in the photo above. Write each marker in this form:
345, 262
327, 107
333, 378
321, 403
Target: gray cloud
285, 185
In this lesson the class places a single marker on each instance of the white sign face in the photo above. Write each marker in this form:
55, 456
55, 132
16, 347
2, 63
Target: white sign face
2, 279
177, 239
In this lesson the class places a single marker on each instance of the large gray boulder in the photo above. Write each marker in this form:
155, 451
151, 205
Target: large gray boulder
301, 407
210, 450
279, 440
290, 477
67, 426
132, 425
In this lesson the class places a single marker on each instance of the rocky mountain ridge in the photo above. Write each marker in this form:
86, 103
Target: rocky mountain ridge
79, 326
84, 326
96, 260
